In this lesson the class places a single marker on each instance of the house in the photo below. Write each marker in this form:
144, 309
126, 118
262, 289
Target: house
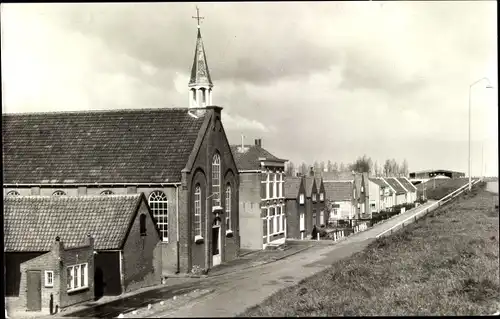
262, 198
411, 190
378, 193
312, 196
364, 196
179, 158
399, 190
340, 200
50, 259
295, 207
320, 204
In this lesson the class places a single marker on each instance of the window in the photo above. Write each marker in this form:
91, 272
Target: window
314, 197
281, 185
58, 193
279, 211
228, 207
372, 205
321, 217
275, 183
216, 180
272, 224
197, 210
362, 189
142, 224
302, 222
107, 192
315, 221
321, 196
49, 278
268, 183
13, 193
77, 277
158, 203
301, 199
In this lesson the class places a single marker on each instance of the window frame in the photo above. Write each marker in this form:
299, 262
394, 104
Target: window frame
49, 283
107, 192
77, 269
160, 205
13, 193
321, 197
216, 180
59, 193
197, 211
229, 197
314, 198
301, 199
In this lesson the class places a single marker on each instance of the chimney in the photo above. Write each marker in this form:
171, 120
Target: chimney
258, 142
58, 246
90, 241
311, 171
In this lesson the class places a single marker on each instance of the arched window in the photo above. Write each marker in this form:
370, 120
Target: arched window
142, 224
158, 203
59, 193
228, 207
13, 193
216, 180
197, 210
107, 192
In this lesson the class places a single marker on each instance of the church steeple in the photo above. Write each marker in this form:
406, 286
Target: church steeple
200, 83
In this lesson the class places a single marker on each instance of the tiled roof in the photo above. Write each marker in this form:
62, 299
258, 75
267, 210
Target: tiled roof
31, 223
379, 182
292, 187
407, 184
338, 191
394, 184
249, 158
318, 182
139, 145
308, 181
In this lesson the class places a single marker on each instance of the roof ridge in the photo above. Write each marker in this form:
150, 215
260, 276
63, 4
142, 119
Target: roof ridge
120, 110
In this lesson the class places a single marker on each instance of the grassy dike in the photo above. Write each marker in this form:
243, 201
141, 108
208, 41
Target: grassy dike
445, 264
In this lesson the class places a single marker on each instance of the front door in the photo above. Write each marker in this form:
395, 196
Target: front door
216, 242
34, 287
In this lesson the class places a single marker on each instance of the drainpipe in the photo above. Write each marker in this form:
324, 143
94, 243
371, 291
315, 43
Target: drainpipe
177, 228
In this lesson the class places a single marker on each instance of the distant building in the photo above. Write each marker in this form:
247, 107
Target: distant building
433, 173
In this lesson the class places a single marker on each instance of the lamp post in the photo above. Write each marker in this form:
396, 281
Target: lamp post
488, 86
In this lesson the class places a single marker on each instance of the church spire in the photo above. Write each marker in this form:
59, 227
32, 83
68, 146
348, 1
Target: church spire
200, 83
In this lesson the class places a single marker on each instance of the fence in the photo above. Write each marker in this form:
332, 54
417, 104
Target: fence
423, 212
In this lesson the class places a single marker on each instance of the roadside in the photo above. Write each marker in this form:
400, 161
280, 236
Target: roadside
446, 264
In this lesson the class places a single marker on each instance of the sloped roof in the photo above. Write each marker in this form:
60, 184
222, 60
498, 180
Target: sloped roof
379, 182
309, 181
200, 75
292, 187
318, 182
138, 145
31, 223
338, 191
248, 159
394, 184
408, 185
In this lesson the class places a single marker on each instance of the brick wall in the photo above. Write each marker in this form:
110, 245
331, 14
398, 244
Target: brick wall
141, 254
57, 260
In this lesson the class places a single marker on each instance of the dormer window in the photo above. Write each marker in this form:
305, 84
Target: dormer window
301, 199
321, 197
362, 189
314, 197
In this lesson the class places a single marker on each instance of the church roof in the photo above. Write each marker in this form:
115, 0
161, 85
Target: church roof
200, 75
118, 146
31, 223
250, 157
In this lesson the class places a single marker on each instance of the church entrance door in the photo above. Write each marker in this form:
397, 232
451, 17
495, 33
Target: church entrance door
216, 242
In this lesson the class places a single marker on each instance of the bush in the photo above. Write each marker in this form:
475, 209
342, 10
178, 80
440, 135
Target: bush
322, 232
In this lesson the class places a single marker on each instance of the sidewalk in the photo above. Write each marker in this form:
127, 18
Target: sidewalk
182, 287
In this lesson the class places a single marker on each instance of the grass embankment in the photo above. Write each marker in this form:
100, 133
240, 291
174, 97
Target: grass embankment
445, 264
436, 189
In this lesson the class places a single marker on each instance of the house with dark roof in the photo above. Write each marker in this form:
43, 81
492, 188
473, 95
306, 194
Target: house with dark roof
399, 190
340, 198
261, 194
295, 207
320, 204
411, 190
312, 196
48, 252
179, 158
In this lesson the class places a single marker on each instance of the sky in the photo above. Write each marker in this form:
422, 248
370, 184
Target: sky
316, 81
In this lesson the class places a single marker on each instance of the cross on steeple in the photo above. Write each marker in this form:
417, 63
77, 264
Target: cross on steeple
198, 16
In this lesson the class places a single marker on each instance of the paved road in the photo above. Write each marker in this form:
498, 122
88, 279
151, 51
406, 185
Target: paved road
236, 292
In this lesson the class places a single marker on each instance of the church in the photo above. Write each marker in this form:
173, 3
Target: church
179, 158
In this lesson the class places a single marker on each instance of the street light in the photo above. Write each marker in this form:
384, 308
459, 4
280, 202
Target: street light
488, 86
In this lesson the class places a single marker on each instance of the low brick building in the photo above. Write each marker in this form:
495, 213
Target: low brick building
262, 199
295, 198
125, 253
